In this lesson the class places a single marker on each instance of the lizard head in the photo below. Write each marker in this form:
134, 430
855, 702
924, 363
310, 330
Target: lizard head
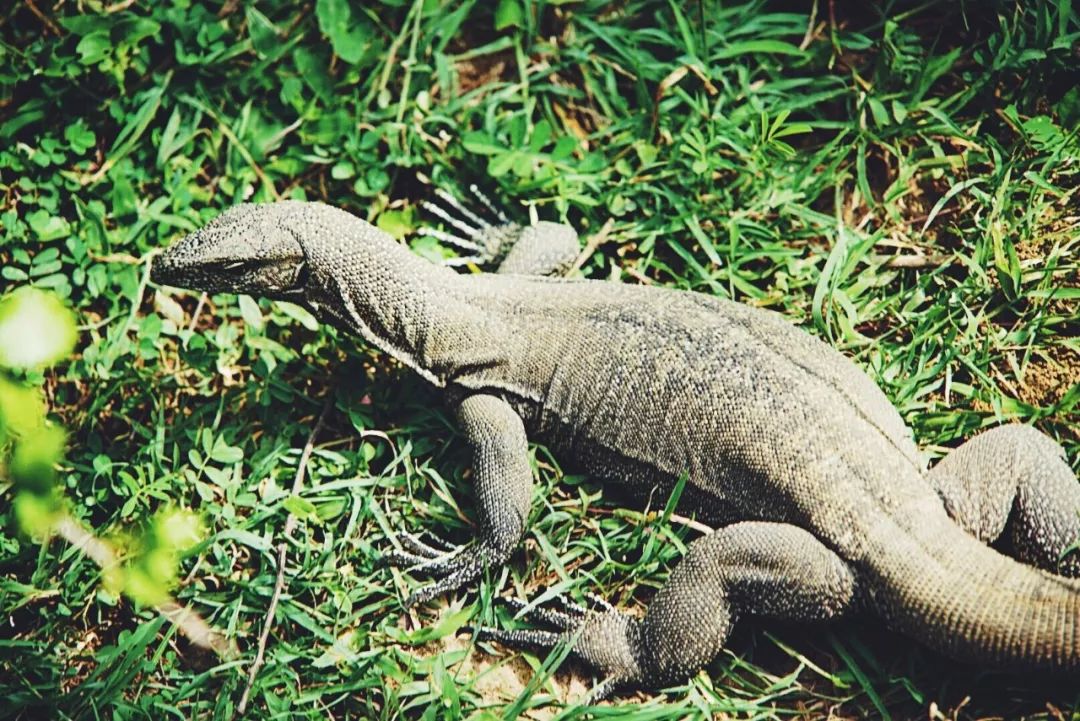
250, 248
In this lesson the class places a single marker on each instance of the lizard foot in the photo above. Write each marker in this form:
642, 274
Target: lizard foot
503, 488
486, 241
605, 639
452, 566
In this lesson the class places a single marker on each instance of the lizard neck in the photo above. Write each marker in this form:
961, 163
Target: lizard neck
375, 287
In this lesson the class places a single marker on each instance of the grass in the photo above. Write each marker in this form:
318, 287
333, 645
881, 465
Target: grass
900, 179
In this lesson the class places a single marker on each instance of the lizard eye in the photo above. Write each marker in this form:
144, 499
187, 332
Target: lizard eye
301, 277
227, 266
231, 266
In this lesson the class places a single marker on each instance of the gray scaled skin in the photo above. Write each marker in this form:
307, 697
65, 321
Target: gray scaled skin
811, 474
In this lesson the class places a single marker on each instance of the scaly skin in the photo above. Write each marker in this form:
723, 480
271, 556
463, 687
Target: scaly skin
813, 475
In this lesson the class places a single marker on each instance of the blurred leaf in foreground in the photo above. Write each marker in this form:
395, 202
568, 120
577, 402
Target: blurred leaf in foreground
152, 574
36, 329
22, 409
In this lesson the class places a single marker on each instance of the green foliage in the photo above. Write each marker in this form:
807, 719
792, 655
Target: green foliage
155, 552
899, 178
350, 32
37, 330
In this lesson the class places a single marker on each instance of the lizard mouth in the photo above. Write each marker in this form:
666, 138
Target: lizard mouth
271, 262
283, 274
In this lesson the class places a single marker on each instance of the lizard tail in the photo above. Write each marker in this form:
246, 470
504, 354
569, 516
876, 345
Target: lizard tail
965, 599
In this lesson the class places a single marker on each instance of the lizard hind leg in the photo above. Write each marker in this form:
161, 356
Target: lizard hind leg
1013, 480
749, 568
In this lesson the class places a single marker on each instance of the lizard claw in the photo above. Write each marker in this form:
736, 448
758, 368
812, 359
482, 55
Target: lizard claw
605, 639
452, 566
433, 548
450, 582
487, 242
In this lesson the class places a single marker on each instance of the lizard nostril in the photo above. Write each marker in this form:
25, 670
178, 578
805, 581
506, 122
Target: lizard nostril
159, 269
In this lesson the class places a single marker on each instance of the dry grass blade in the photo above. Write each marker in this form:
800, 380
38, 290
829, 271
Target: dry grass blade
282, 551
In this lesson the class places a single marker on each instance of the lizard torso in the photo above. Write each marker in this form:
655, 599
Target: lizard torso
581, 362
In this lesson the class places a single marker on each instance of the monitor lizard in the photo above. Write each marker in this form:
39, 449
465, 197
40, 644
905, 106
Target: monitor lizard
814, 481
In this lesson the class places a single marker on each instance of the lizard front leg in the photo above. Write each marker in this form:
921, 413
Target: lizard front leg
542, 248
753, 567
503, 486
